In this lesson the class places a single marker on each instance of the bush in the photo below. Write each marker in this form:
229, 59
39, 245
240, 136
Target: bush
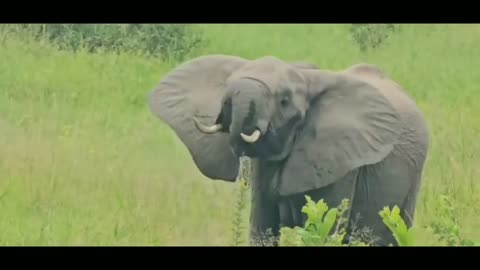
370, 36
318, 227
168, 41
319, 230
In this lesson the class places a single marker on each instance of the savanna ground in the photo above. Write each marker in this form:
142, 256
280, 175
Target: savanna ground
84, 162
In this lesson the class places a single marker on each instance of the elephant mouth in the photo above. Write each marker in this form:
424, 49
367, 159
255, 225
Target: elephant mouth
259, 130
263, 141
274, 144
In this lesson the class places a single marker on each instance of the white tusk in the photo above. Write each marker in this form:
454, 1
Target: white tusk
207, 129
251, 138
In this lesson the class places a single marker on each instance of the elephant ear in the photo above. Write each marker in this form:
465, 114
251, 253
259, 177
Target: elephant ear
196, 89
349, 124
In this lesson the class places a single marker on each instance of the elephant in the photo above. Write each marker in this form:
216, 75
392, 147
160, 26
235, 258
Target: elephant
349, 134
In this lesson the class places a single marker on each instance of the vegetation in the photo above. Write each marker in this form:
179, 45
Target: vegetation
84, 162
169, 41
326, 227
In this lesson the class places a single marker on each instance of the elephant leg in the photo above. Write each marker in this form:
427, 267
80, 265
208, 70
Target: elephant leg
393, 182
264, 215
264, 220
291, 207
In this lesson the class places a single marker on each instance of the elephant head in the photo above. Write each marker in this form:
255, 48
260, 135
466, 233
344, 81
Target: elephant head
319, 124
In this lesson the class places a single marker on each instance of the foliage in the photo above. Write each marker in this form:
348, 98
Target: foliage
240, 206
370, 36
319, 226
244, 175
173, 41
446, 225
320, 223
395, 223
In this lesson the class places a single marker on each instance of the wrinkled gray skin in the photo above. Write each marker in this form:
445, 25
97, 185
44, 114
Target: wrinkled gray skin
331, 135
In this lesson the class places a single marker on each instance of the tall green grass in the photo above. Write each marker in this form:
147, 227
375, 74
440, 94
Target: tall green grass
83, 162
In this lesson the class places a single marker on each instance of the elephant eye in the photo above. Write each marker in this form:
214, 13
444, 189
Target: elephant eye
284, 101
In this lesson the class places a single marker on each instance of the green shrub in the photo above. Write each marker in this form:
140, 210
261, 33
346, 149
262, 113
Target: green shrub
168, 41
395, 223
319, 228
370, 36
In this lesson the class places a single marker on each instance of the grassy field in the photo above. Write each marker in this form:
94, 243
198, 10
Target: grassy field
83, 162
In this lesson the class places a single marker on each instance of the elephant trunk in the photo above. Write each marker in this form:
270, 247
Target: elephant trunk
248, 116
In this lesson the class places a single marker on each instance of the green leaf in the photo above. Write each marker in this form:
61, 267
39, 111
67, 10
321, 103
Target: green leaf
326, 226
397, 226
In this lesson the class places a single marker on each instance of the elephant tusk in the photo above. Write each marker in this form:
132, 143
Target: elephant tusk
251, 138
207, 129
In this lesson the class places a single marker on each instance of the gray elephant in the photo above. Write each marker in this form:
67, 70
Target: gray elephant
351, 134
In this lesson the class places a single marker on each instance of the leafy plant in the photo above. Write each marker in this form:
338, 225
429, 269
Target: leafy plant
320, 229
323, 227
396, 224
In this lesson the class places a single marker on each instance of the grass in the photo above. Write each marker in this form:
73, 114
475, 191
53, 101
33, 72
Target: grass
83, 162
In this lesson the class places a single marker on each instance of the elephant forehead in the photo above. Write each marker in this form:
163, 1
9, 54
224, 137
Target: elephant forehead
273, 74
246, 84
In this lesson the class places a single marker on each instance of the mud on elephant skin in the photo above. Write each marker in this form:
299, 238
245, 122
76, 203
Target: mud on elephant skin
352, 134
